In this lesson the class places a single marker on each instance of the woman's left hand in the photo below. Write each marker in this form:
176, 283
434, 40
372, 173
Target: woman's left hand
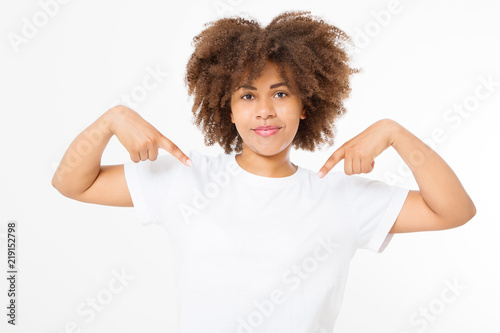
359, 153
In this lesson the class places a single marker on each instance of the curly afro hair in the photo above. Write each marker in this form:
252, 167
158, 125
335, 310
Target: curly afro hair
232, 51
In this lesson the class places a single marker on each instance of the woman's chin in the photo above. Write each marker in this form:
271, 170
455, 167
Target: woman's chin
267, 150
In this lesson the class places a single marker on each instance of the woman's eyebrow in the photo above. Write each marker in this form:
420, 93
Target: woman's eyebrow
271, 87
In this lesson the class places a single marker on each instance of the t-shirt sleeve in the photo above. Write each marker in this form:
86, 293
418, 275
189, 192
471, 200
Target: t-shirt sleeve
149, 183
374, 207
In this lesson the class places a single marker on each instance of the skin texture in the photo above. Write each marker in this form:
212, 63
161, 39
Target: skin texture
233, 51
250, 108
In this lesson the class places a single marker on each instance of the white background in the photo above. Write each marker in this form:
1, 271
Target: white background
419, 61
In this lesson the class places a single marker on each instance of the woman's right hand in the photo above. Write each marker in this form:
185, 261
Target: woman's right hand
141, 139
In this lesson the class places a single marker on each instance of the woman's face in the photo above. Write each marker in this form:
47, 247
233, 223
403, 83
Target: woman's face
266, 103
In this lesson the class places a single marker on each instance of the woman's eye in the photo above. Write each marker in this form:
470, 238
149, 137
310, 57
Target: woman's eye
249, 96
281, 92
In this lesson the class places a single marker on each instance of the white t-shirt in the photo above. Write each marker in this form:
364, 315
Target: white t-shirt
258, 254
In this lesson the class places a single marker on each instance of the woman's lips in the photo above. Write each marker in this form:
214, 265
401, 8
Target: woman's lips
267, 132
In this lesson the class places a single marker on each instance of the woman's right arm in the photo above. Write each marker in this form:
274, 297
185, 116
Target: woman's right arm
80, 175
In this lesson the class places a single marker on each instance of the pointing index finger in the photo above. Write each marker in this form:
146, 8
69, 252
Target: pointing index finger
172, 148
336, 157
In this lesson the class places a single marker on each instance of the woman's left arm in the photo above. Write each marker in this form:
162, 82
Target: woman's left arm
439, 187
441, 202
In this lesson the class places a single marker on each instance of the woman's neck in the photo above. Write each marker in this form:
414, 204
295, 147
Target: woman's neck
275, 166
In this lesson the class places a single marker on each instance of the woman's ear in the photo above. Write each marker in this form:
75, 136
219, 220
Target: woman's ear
303, 114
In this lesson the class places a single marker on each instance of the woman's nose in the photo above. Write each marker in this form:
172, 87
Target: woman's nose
265, 109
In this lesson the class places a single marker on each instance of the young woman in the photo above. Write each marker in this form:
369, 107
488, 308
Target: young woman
262, 244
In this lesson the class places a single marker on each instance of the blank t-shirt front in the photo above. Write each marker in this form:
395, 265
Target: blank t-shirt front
258, 254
